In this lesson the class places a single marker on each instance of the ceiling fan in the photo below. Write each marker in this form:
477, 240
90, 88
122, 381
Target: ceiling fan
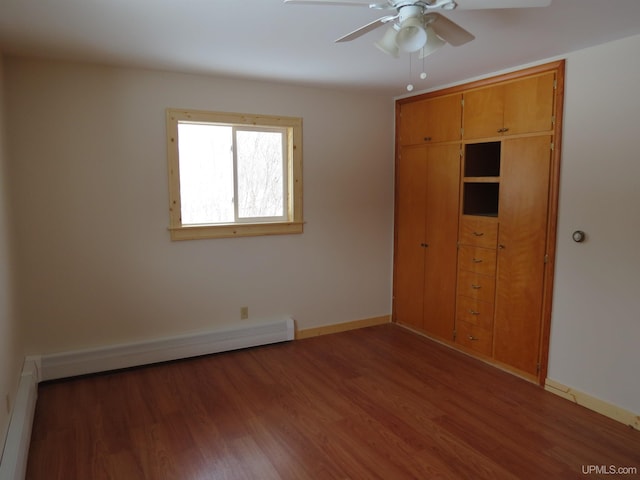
415, 25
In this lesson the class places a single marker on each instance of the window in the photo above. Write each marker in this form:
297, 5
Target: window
233, 175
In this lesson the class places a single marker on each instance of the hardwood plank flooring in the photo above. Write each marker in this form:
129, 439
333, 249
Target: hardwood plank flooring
374, 403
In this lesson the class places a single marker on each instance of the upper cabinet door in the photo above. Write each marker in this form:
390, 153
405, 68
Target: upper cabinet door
431, 120
528, 105
483, 113
510, 108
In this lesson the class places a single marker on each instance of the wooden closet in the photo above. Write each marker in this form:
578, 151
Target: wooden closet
477, 169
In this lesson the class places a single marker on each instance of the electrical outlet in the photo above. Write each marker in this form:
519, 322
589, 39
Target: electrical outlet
244, 313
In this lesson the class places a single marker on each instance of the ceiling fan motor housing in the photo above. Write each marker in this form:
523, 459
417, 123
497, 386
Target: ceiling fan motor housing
423, 6
409, 11
412, 35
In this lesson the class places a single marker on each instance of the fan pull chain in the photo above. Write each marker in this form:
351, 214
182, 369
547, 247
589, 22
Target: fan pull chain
423, 75
409, 85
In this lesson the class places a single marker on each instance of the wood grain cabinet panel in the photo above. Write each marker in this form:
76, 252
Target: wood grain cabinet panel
431, 120
528, 105
510, 108
477, 260
411, 171
483, 113
473, 285
427, 183
478, 231
474, 337
521, 256
443, 180
476, 312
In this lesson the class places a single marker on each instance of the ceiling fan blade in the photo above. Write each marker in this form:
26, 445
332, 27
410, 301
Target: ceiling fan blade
449, 31
366, 28
332, 2
482, 4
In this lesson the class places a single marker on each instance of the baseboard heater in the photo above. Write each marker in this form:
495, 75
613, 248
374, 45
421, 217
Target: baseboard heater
114, 357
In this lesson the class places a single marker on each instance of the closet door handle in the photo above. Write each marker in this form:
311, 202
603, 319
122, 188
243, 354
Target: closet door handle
473, 312
472, 338
476, 260
501, 246
424, 245
475, 287
427, 139
478, 234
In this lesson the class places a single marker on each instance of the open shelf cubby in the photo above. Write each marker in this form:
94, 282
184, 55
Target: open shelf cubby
481, 199
482, 159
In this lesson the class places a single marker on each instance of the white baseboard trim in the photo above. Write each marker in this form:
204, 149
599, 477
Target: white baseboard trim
592, 403
13, 465
113, 357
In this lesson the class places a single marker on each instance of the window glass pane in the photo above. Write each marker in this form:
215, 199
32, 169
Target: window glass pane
206, 173
260, 174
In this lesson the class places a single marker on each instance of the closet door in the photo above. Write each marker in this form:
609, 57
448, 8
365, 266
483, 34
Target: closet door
427, 186
510, 108
483, 112
431, 120
528, 104
441, 235
523, 212
411, 173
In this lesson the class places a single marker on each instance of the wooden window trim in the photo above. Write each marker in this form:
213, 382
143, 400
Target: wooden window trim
294, 224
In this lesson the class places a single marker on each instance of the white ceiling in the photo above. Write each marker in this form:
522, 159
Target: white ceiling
266, 39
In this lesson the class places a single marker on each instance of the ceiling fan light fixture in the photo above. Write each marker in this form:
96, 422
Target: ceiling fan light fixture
387, 43
434, 42
412, 35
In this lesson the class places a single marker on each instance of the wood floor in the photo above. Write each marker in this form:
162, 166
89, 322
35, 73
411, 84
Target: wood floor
375, 403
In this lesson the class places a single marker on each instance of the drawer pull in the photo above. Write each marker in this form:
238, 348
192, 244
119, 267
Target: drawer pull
476, 260
472, 338
475, 287
473, 312
478, 234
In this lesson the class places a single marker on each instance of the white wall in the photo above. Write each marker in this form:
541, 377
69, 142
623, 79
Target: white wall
595, 329
11, 341
88, 160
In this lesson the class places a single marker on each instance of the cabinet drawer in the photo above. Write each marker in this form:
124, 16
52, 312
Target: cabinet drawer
474, 311
479, 231
477, 259
474, 337
479, 287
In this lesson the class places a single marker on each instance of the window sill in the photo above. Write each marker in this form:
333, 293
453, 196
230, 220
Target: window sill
197, 232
